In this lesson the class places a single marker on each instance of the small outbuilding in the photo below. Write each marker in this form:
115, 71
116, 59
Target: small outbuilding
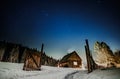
72, 60
32, 61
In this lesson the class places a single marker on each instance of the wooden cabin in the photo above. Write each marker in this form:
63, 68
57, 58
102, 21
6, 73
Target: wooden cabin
32, 61
72, 60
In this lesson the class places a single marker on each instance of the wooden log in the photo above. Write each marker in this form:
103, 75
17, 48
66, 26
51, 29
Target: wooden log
42, 48
91, 63
88, 55
41, 53
88, 60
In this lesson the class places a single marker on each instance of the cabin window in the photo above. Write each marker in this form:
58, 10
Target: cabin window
75, 63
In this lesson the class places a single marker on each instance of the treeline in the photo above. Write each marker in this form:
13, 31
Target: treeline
11, 52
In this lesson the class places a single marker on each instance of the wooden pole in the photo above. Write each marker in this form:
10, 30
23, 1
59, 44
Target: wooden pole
87, 58
91, 64
41, 53
42, 48
88, 55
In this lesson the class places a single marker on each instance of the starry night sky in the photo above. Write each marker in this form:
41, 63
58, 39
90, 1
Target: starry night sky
62, 25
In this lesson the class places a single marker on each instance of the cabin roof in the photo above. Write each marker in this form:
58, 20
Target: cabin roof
66, 57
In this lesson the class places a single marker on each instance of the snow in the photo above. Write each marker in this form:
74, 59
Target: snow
111, 73
14, 71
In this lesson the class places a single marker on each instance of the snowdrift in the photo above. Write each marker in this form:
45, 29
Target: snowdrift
14, 71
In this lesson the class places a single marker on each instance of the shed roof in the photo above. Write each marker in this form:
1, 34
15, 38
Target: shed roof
66, 57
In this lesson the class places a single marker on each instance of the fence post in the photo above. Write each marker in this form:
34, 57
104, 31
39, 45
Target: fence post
90, 62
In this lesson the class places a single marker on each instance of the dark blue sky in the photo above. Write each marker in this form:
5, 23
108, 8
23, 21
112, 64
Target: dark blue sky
62, 25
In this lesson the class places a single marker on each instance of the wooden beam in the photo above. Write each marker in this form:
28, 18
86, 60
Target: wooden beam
41, 52
91, 64
42, 48
87, 58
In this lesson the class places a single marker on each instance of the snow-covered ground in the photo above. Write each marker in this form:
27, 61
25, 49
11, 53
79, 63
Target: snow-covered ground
112, 73
14, 71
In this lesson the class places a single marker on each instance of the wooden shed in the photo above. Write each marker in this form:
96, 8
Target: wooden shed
32, 61
72, 60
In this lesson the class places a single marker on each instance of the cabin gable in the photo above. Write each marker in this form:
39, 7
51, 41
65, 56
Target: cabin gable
74, 56
71, 60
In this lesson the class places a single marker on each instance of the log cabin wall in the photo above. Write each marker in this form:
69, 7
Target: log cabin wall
71, 60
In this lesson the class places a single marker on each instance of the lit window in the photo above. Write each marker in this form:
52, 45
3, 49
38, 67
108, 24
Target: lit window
75, 63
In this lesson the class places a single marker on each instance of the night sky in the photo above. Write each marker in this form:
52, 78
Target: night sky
62, 25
